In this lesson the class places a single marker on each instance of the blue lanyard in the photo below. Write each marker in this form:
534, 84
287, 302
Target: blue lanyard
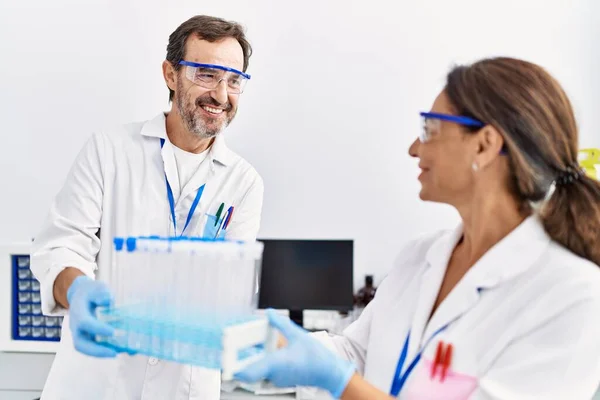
399, 377
172, 201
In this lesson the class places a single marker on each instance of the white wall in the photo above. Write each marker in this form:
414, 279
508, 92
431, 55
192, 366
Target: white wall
326, 119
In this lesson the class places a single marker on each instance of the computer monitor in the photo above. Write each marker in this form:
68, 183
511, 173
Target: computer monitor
307, 274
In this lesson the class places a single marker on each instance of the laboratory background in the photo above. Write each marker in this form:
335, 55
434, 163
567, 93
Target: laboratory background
326, 119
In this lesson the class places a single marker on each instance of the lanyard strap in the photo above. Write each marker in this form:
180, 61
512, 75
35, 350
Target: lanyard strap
399, 377
172, 201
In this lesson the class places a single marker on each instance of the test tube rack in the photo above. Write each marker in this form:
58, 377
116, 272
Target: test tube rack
188, 300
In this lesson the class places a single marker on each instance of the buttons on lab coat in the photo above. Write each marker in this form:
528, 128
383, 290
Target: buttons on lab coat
153, 361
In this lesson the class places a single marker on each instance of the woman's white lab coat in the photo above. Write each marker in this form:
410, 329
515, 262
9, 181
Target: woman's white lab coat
524, 322
117, 187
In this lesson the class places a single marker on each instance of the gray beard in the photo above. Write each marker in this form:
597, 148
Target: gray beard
194, 123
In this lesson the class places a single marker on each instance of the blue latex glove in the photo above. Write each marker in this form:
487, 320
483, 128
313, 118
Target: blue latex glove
303, 362
84, 295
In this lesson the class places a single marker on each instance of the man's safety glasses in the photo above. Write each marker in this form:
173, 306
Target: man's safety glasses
209, 76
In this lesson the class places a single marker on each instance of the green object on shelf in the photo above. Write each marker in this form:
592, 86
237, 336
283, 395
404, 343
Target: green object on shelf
590, 162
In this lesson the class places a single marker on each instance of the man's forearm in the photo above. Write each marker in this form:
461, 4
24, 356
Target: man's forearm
62, 283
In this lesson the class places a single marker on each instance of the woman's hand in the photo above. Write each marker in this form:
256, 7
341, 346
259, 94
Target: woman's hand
302, 362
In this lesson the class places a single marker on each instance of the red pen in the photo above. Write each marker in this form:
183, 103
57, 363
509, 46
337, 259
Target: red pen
438, 358
229, 214
447, 361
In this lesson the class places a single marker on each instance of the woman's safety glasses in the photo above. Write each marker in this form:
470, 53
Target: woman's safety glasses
431, 123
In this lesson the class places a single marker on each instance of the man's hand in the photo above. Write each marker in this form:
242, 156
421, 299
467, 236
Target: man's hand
83, 297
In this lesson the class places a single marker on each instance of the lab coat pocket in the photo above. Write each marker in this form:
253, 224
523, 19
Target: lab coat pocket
212, 226
205, 384
421, 386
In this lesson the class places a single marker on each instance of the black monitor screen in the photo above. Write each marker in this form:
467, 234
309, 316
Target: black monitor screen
307, 274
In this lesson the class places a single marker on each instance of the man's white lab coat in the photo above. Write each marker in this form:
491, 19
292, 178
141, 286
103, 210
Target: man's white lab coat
117, 187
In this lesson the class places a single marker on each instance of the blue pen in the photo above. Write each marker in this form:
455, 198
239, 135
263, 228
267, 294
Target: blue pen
222, 224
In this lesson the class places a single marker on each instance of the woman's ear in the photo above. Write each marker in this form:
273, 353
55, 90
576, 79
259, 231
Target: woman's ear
490, 143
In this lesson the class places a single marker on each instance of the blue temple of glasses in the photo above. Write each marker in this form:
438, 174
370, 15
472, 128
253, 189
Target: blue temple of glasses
459, 119
222, 68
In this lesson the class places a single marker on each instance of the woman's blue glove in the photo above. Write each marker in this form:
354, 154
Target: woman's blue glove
84, 295
303, 362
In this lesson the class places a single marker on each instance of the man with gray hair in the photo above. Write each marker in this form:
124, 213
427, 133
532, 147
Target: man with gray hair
172, 175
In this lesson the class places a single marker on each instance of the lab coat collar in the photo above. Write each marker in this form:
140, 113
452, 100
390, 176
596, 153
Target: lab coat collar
441, 249
507, 259
219, 151
156, 127
511, 256
437, 258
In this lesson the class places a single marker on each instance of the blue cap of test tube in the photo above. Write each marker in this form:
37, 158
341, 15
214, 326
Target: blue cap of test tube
130, 243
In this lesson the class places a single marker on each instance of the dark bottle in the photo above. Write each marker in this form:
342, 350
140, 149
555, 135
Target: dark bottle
365, 294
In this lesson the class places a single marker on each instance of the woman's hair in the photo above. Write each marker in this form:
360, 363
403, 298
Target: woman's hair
533, 114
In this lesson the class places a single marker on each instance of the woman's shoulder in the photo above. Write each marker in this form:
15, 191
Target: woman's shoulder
569, 271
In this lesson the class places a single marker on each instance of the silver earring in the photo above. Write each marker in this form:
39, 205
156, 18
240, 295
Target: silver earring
475, 167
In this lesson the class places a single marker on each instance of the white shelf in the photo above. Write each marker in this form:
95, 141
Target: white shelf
28, 346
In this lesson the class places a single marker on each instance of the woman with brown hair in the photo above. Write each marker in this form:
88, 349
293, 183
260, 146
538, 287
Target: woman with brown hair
505, 306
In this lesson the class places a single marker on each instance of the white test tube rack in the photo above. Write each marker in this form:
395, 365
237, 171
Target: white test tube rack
190, 341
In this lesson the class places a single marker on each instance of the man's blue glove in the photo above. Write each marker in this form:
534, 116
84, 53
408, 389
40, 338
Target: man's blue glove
303, 362
84, 295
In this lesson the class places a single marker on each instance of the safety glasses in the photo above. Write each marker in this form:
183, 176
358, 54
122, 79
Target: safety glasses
209, 76
432, 121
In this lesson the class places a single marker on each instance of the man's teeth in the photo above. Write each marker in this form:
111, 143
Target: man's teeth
212, 110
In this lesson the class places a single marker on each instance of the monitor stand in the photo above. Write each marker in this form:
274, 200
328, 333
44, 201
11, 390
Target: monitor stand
297, 316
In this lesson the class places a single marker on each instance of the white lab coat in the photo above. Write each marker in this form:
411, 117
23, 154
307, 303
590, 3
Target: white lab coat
117, 187
524, 321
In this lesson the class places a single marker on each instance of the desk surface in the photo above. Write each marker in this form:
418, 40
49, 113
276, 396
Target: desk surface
237, 395
305, 393
240, 394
